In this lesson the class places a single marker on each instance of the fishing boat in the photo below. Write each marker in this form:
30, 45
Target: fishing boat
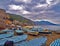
32, 32
15, 39
41, 41
19, 31
55, 43
2, 36
7, 30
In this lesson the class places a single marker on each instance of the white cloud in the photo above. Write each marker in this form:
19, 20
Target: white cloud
20, 9
52, 2
43, 20
25, 1
42, 5
48, 3
25, 12
15, 7
51, 11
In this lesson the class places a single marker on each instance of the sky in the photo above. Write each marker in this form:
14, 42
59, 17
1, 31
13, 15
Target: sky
35, 10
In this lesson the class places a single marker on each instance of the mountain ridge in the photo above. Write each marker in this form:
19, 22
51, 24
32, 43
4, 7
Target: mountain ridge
45, 23
21, 19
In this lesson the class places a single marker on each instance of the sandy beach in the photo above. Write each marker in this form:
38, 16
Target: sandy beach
50, 37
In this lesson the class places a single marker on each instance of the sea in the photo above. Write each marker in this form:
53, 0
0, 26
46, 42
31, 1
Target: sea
49, 27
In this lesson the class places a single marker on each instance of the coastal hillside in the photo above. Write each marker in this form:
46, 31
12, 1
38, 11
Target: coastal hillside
21, 19
4, 19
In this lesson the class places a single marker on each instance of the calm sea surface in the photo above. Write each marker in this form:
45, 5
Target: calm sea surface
50, 27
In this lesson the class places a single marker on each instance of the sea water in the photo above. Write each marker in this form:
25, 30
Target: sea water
50, 27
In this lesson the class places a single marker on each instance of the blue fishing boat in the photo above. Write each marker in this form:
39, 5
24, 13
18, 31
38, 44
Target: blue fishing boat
2, 36
34, 42
55, 43
19, 31
7, 30
15, 39
31, 32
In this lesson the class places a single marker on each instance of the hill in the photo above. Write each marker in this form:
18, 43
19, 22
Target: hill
3, 19
21, 19
44, 23
6, 19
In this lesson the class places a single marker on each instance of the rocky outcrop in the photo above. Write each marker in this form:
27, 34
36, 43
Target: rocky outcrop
3, 18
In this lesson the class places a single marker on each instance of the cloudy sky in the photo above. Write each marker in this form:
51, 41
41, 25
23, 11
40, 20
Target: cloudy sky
34, 9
